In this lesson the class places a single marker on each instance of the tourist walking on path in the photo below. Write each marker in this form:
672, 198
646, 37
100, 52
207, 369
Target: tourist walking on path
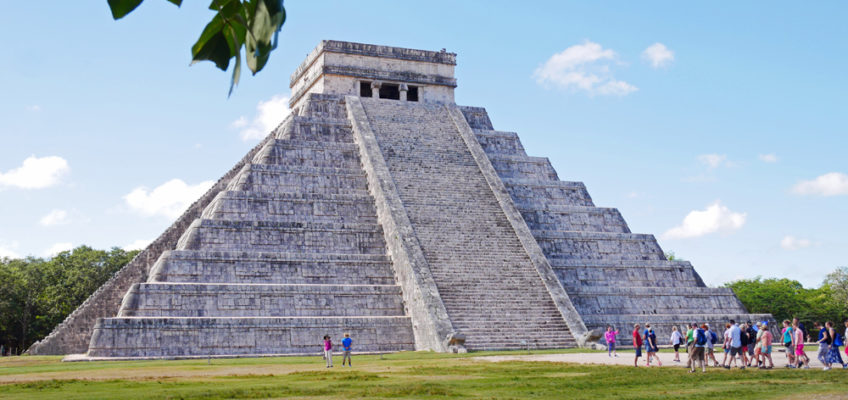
637, 344
758, 346
726, 344
752, 340
609, 335
347, 342
788, 339
743, 337
699, 348
690, 343
651, 345
832, 356
712, 339
823, 341
766, 339
800, 354
676, 339
328, 351
735, 345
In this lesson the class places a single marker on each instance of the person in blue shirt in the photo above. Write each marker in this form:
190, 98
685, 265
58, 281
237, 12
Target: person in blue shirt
346, 344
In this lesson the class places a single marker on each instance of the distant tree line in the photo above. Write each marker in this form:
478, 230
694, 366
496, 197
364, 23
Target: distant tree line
787, 299
36, 294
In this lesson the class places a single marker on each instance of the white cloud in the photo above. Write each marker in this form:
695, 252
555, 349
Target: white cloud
583, 67
830, 184
8, 250
793, 243
55, 217
137, 244
58, 248
768, 158
169, 199
714, 218
36, 173
34, 108
269, 114
658, 55
714, 160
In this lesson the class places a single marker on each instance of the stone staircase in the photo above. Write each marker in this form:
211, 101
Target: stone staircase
489, 287
614, 277
290, 252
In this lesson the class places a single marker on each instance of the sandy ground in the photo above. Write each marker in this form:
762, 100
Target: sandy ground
626, 358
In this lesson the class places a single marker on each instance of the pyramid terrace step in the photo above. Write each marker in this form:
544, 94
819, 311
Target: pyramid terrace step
326, 106
598, 245
523, 167
276, 178
257, 267
532, 193
223, 235
497, 142
295, 152
289, 207
187, 337
648, 300
260, 300
319, 129
575, 218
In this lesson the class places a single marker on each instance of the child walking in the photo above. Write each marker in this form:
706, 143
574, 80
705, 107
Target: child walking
609, 335
328, 351
346, 344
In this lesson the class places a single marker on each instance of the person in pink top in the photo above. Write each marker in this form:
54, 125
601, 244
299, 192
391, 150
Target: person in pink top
800, 355
609, 335
765, 347
328, 351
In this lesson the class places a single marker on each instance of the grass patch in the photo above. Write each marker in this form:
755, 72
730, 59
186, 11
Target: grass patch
400, 375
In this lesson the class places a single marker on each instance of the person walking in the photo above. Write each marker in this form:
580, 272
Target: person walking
800, 355
610, 335
651, 345
637, 344
766, 339
690, 343
788, 339
712, 339
824, 342
347, 343
743, 336
752, 340
698, 349
676, 339
328, 351
726, 343
735, 345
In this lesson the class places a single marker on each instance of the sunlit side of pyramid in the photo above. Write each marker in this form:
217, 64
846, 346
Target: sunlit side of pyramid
382, 209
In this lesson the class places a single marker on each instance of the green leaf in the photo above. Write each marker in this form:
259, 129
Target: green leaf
121, 8
264, 22
212, 45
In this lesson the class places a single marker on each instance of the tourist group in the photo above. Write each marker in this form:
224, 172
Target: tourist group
745, 345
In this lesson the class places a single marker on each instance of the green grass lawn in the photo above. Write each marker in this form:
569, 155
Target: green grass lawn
400, 375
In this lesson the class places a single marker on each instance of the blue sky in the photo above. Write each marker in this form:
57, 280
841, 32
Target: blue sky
726, 139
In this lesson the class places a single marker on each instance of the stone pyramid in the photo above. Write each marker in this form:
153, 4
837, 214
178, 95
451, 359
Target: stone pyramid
382, 209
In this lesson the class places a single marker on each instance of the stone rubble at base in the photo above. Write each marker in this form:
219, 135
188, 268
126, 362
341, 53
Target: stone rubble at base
408, 222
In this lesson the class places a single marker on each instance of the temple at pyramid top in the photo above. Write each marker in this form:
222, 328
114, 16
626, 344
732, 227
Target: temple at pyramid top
367, 70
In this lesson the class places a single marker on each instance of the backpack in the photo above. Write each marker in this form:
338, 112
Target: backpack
837, 340
700, 337
713, 337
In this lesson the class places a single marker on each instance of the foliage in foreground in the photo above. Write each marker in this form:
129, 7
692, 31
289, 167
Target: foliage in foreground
409, 375
36, 294
249, 24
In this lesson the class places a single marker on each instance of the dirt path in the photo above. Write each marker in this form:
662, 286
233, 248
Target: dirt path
626, 358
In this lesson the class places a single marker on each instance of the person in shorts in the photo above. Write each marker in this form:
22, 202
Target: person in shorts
637, 344
765, 346
735, 345
726, 344
800, 355
347, 342
676, 340
712, 339
788, 338
699, 348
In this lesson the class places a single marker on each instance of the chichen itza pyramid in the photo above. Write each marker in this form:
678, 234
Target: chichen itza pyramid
381, 208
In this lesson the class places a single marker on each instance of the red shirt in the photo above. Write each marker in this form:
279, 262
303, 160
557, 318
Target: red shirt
637, 339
